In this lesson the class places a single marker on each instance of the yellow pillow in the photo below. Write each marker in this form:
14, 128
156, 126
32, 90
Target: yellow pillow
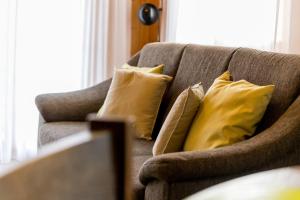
229, 112
172, 134
155, 70
136, 94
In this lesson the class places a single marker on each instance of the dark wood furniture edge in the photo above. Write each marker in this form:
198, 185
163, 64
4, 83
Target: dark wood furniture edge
119, 130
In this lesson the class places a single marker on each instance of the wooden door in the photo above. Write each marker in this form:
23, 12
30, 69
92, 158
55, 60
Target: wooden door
140, 33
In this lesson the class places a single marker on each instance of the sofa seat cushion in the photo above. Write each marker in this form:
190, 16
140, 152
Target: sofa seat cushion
142, 147
141, 151
138, 187
52, 131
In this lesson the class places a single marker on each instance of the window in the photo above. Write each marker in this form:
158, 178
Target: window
246, 23
43, 55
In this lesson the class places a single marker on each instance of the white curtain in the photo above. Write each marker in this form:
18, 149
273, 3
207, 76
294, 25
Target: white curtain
262, 24
288, 27
107, 38
7, 68
40, 52
53, 46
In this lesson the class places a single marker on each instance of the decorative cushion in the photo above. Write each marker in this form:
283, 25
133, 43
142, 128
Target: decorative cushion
230, 111
156, 70
173, 132
136, 94
265, 68
198, 63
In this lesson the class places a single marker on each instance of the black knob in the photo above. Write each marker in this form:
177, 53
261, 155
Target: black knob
148, 14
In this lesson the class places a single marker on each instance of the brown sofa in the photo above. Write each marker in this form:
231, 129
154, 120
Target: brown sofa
176, 175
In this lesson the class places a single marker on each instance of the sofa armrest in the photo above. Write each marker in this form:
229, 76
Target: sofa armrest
271, 144
72, 106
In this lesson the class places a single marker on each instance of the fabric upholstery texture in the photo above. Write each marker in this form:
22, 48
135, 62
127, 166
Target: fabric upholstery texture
142, 147
229, 113
156, 69
180, 190
138, 188
141, 151
173, 132
264, 68
168, 54
157, 190
133, 61
275, 143
53, 131
162, 53
53, 107
198, 64
176, 175
138, 95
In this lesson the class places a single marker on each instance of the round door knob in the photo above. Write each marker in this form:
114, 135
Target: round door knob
148, 14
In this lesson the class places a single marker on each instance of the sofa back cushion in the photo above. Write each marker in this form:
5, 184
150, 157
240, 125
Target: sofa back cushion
198, 64
168, 54
264, 68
